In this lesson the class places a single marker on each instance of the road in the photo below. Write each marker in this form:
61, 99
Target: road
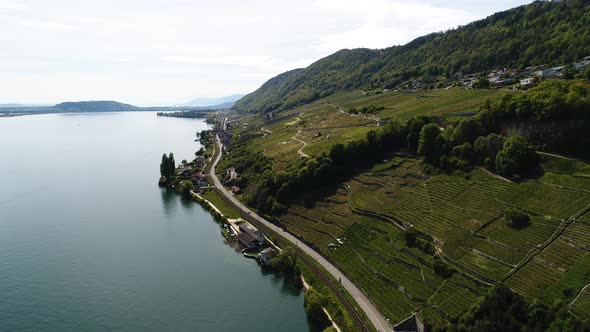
380, 323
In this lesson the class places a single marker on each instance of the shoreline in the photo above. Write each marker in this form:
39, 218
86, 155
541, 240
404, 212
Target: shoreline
360, 299
224, 219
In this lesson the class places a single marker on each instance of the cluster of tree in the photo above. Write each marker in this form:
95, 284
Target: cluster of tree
192, 114
516, 218
551, 33
550, 100
415, 239
503, 310
185, 188
441, 268
167, 168
554, 114
467, 144
371, 109
481, 83
412, 239
286, 263
206, 138
314, 302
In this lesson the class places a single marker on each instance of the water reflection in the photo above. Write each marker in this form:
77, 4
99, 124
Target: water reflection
168, 201
278, 279
187, 203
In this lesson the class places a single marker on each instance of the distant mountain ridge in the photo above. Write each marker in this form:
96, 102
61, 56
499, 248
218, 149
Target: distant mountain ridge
103, 106
215, 101
541, 33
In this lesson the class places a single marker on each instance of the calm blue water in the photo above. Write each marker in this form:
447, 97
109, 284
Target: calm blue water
89, 242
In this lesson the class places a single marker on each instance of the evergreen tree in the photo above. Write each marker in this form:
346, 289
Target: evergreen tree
171, 165
164, 165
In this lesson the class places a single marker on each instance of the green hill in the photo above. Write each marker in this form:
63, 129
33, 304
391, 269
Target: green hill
550, 33
95, 106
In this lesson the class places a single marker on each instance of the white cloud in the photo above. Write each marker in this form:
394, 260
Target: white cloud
157, 51
35, 23
12, 4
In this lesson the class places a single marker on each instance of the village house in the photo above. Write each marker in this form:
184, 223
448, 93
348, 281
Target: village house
247, 240
550, 73
236, 190
231, 174
253, 232
250, 236
199, 162
507, 81
527, 81
200, 180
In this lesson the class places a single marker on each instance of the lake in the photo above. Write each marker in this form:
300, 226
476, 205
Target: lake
89, 242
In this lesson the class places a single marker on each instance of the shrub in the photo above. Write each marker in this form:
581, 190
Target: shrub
441, 268
516, 218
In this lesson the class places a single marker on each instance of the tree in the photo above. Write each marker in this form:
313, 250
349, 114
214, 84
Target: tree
430, 143
516, 218
411, 237
516, 157
171, 166
499, 310
569, 71
186, 188
286, 263
164, 165
464, 151
468, 130
414, 128
488, 146
167, 166
481, 83
441, 268
313, 301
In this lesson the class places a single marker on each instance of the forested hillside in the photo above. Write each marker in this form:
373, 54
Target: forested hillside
550, 33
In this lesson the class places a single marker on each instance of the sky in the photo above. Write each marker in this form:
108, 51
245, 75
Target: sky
163, 52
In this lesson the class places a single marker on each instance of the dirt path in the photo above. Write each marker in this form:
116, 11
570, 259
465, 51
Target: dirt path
300, 151
371, 118
297, 119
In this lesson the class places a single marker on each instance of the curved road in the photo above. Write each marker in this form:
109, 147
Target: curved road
380, 323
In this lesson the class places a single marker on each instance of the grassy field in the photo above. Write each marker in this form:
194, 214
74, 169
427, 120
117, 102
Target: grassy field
225, 209
325, 122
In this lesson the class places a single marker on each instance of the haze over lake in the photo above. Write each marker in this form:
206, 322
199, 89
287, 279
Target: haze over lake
89, 242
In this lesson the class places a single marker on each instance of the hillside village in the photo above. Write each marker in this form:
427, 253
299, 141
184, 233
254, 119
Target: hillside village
506, 77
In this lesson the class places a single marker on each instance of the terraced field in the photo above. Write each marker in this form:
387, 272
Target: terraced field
398, 279
406, 104
466, 213
561, 267
453, 298
462, 214
581, 307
